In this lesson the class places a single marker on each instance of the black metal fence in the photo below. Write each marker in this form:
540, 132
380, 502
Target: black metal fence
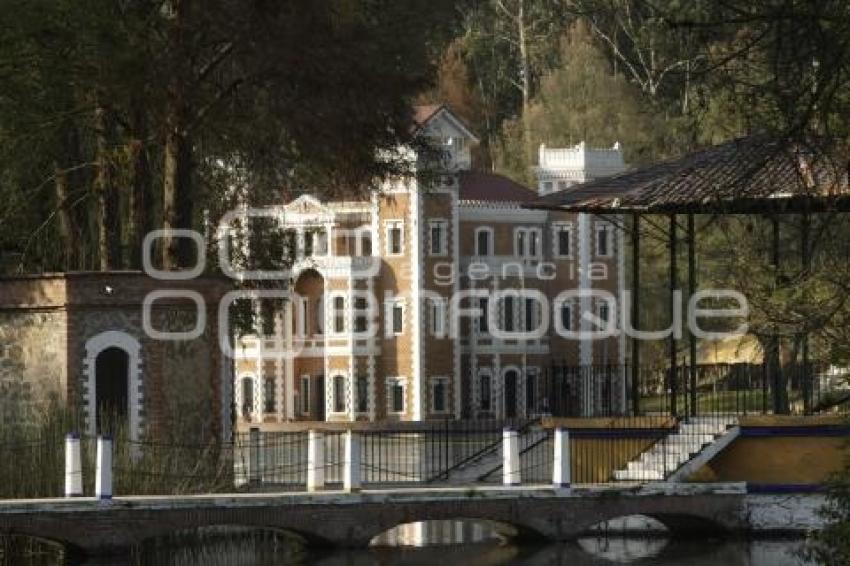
465, 453
563, 390
405, 453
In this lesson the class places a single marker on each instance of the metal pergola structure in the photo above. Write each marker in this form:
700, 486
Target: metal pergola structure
752, 175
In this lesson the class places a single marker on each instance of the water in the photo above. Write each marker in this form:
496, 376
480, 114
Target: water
481, 546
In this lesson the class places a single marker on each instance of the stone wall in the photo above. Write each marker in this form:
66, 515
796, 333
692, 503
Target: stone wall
52, 325
33, 371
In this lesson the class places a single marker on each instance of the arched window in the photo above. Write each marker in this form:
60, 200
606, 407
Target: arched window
269, 400
111, 387
339, 394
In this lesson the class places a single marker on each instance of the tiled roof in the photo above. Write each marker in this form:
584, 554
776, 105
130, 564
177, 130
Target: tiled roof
740, 175
424, 112
478, 186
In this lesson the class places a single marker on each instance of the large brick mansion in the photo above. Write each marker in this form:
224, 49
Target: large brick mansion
407, 305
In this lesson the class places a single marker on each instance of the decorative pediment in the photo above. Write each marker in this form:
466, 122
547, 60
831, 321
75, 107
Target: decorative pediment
307, 208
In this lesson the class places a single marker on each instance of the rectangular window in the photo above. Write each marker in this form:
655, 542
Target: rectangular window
362, 394
531, 392
438, 318
533, 243
269, 395
395, 395
361, 315
321, 243
485, 392
305, 395
339, 315
395, 237
563, 240
520, 243
365, 243
320, 317
604, 312
566, 316
483, 242
530, 312
339, 394
308, 243
438, 230
397, 317
439, 394
483, 304
508, 325
603, 237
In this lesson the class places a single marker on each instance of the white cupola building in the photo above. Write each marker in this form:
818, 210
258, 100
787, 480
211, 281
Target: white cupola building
560, 168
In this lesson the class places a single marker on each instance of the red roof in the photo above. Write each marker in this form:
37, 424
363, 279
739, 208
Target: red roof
424, 112
490, 187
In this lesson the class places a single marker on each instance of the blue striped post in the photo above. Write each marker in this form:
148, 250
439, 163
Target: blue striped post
103, 476
73, 466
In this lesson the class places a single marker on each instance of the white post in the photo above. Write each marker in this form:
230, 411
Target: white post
103, 475
73, 466
315, 461
510, 457
561, 470
352, 481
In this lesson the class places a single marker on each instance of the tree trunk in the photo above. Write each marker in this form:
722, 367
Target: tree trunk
138, 217
525, 81
108, 222
177, 152
67, 226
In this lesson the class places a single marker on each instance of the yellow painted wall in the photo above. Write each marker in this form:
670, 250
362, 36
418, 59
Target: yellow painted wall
777, 460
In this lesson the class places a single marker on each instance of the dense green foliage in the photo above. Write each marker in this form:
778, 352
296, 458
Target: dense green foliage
118, 117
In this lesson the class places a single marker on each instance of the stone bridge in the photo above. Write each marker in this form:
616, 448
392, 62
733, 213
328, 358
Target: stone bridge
93, 527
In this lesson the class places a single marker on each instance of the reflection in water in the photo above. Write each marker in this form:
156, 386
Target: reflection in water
220, 547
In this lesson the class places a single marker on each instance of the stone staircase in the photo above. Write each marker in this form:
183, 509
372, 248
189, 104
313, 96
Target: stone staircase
487, 466
694, 438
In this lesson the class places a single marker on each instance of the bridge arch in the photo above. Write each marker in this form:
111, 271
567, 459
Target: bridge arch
677, 524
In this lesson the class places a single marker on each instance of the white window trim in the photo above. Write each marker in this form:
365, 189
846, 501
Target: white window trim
360, 233
558, 307
266, 379
599, 227
444, 230
389, 225
558, 227
356, 393
305, 379
345, 307
438, 318
434, 382
389, 320
491, 241
523, 252
345, 400
536, 373
484, 372
391, 382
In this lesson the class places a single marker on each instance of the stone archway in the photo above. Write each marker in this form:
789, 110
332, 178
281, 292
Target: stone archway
111, 389
106, 355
